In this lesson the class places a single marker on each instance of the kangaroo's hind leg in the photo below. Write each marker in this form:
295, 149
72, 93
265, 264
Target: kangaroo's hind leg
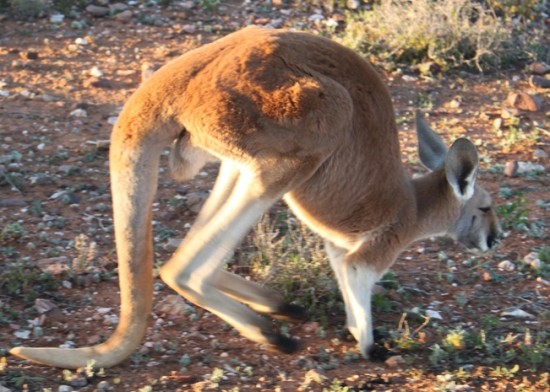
259, 298
194, 270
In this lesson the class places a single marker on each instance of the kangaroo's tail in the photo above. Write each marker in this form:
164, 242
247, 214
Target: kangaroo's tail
136, 145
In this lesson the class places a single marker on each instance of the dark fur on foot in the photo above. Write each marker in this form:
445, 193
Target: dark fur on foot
290, 312
379, 352
379, 335
284, 344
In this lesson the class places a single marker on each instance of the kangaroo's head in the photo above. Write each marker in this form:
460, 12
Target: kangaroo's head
475, 224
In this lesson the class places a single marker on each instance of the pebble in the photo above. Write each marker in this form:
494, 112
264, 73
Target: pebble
97, 11
524, 101
539, 68
434, 314
539, 82
506, 265
12, 203
81, 41
395, 361
44, 305
124, 16
518, 313
511, 169
532, 259
57, 18
78, 113
65, 388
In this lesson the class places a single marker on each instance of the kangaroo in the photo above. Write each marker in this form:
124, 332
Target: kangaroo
289, 115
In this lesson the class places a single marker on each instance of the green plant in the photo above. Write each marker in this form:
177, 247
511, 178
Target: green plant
209, 5
514, 214
26, 281
12, 232
290, 258
451, 33
86, 253
526, 9
26, 9
404, 338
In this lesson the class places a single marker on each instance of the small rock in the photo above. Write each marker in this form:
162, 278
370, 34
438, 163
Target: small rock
44, 305
31, 55
93, 340
187, 5
78, 381
22, 334
539, 153
539, 68
189, 28
395, 361
310, 327
103, 386
54, 265
532, 259
81, 41
104, 310
118, 7
124, 16
518, 313
524, 101
539, 82
316, 17
12, 203
97, 11
511, 169
65, 388
172, 244
434, 314
353, 4
78, 113
506, 265
195, 200
97, 83
172, 305
507, 113
528, 167
95, 71
57, 18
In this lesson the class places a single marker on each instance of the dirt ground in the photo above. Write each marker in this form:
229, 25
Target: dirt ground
63, 86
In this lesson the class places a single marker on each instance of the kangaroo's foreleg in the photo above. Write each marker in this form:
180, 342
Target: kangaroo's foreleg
356, 280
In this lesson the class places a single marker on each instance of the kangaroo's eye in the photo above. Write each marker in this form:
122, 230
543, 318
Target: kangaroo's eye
484, 209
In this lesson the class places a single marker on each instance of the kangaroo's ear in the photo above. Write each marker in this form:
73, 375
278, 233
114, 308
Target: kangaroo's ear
461, 167
431, 149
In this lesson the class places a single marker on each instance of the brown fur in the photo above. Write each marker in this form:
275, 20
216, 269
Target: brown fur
289, 115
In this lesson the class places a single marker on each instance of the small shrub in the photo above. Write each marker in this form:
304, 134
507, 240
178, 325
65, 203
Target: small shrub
452, 33
12, 232
290, 258
28, 282
26, 9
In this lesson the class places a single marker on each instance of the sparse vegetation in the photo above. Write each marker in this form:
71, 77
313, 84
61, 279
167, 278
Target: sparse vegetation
459, 321
450, 33
287, 256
